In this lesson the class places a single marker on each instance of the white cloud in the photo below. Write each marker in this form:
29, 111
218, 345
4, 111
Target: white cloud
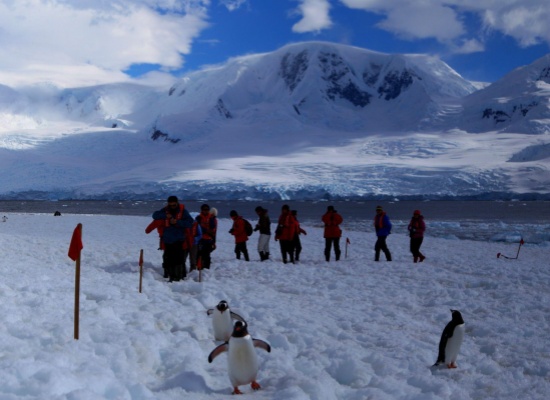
89, 42
233, 5
469, 46
315, 16
526, 21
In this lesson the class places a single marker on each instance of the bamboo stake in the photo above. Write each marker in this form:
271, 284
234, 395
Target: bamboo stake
140, 269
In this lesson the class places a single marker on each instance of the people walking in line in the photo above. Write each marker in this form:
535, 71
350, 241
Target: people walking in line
286, 229
264, 226
176, 219
416, 232
297, 243
209, 227
332, 233
382, 225
238, 230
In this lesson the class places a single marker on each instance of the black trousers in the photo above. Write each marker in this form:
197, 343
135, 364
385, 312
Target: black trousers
174, 259
204, 249
328, 245
287, 250
241, 248
415, 246
381, 245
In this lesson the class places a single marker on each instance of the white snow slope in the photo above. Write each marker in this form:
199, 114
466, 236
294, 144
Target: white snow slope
309, 120
349, 330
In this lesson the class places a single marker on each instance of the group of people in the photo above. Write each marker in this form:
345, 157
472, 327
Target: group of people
382, 226
182, 237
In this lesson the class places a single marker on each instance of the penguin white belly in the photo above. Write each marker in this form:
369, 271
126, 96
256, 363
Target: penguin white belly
242, 361
222, 325
453, 344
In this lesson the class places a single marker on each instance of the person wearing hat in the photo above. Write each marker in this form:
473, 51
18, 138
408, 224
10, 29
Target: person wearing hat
416, 232
175, 219
382, 226
238, 230
264, 226
332, 233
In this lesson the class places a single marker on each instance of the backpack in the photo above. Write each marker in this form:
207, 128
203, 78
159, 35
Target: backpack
248, 227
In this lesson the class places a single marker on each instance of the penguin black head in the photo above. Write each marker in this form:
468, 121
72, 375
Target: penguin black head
457, 317
222, 306
240, 329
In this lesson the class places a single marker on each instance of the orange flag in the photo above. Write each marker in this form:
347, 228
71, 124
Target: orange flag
76, 243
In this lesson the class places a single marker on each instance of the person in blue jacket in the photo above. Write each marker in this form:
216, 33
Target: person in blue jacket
382, 225
176, 219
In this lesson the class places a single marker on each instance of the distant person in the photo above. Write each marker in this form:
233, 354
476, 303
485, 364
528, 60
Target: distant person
297, 243
332, 232
382, 226
264, 226
286, 229
416, 232
238, 230
176, 219
209, 227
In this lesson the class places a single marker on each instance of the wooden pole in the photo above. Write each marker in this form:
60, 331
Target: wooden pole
347, 242
140, 269
77, 293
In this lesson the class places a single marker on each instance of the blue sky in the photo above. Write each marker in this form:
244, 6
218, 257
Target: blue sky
83, 42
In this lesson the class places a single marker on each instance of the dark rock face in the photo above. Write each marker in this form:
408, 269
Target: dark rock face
394, 83
338, 76
159, 135
500, 116
222, 109
293, 68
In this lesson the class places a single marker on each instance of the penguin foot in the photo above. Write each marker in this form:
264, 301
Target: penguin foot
255, 385
236, 391
452, 365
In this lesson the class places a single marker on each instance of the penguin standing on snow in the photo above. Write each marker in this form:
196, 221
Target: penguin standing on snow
451, 340
242, 360
222, 320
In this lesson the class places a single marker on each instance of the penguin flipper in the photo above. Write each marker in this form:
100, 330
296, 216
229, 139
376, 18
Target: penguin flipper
237, 317
262, 345
209, 311
217, 351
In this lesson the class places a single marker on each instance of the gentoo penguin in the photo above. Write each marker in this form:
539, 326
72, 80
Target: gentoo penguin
242, 361
451, 340
222, 320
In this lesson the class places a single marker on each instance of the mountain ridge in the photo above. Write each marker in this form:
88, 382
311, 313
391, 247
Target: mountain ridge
308, 120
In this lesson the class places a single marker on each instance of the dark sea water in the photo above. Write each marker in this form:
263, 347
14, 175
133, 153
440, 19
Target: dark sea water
477, 220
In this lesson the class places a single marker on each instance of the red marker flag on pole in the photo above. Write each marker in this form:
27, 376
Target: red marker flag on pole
76, 243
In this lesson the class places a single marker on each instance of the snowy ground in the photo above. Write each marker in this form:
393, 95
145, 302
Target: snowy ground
348, 330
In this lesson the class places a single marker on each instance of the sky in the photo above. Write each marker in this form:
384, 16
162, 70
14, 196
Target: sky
351, 330
72, 43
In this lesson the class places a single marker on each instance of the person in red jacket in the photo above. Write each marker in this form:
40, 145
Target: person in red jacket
285, 233
297, 243
238, 230
416, 232
208, 222
333, 233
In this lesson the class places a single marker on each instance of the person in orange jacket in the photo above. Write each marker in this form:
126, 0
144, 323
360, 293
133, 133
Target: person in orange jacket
208, 222
333, 233
297, 243
238, 230
286, 230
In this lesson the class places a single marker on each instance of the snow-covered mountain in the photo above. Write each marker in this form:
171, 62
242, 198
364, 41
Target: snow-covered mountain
309, 120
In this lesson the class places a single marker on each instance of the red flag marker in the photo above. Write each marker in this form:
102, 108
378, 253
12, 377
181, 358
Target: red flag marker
76, 243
